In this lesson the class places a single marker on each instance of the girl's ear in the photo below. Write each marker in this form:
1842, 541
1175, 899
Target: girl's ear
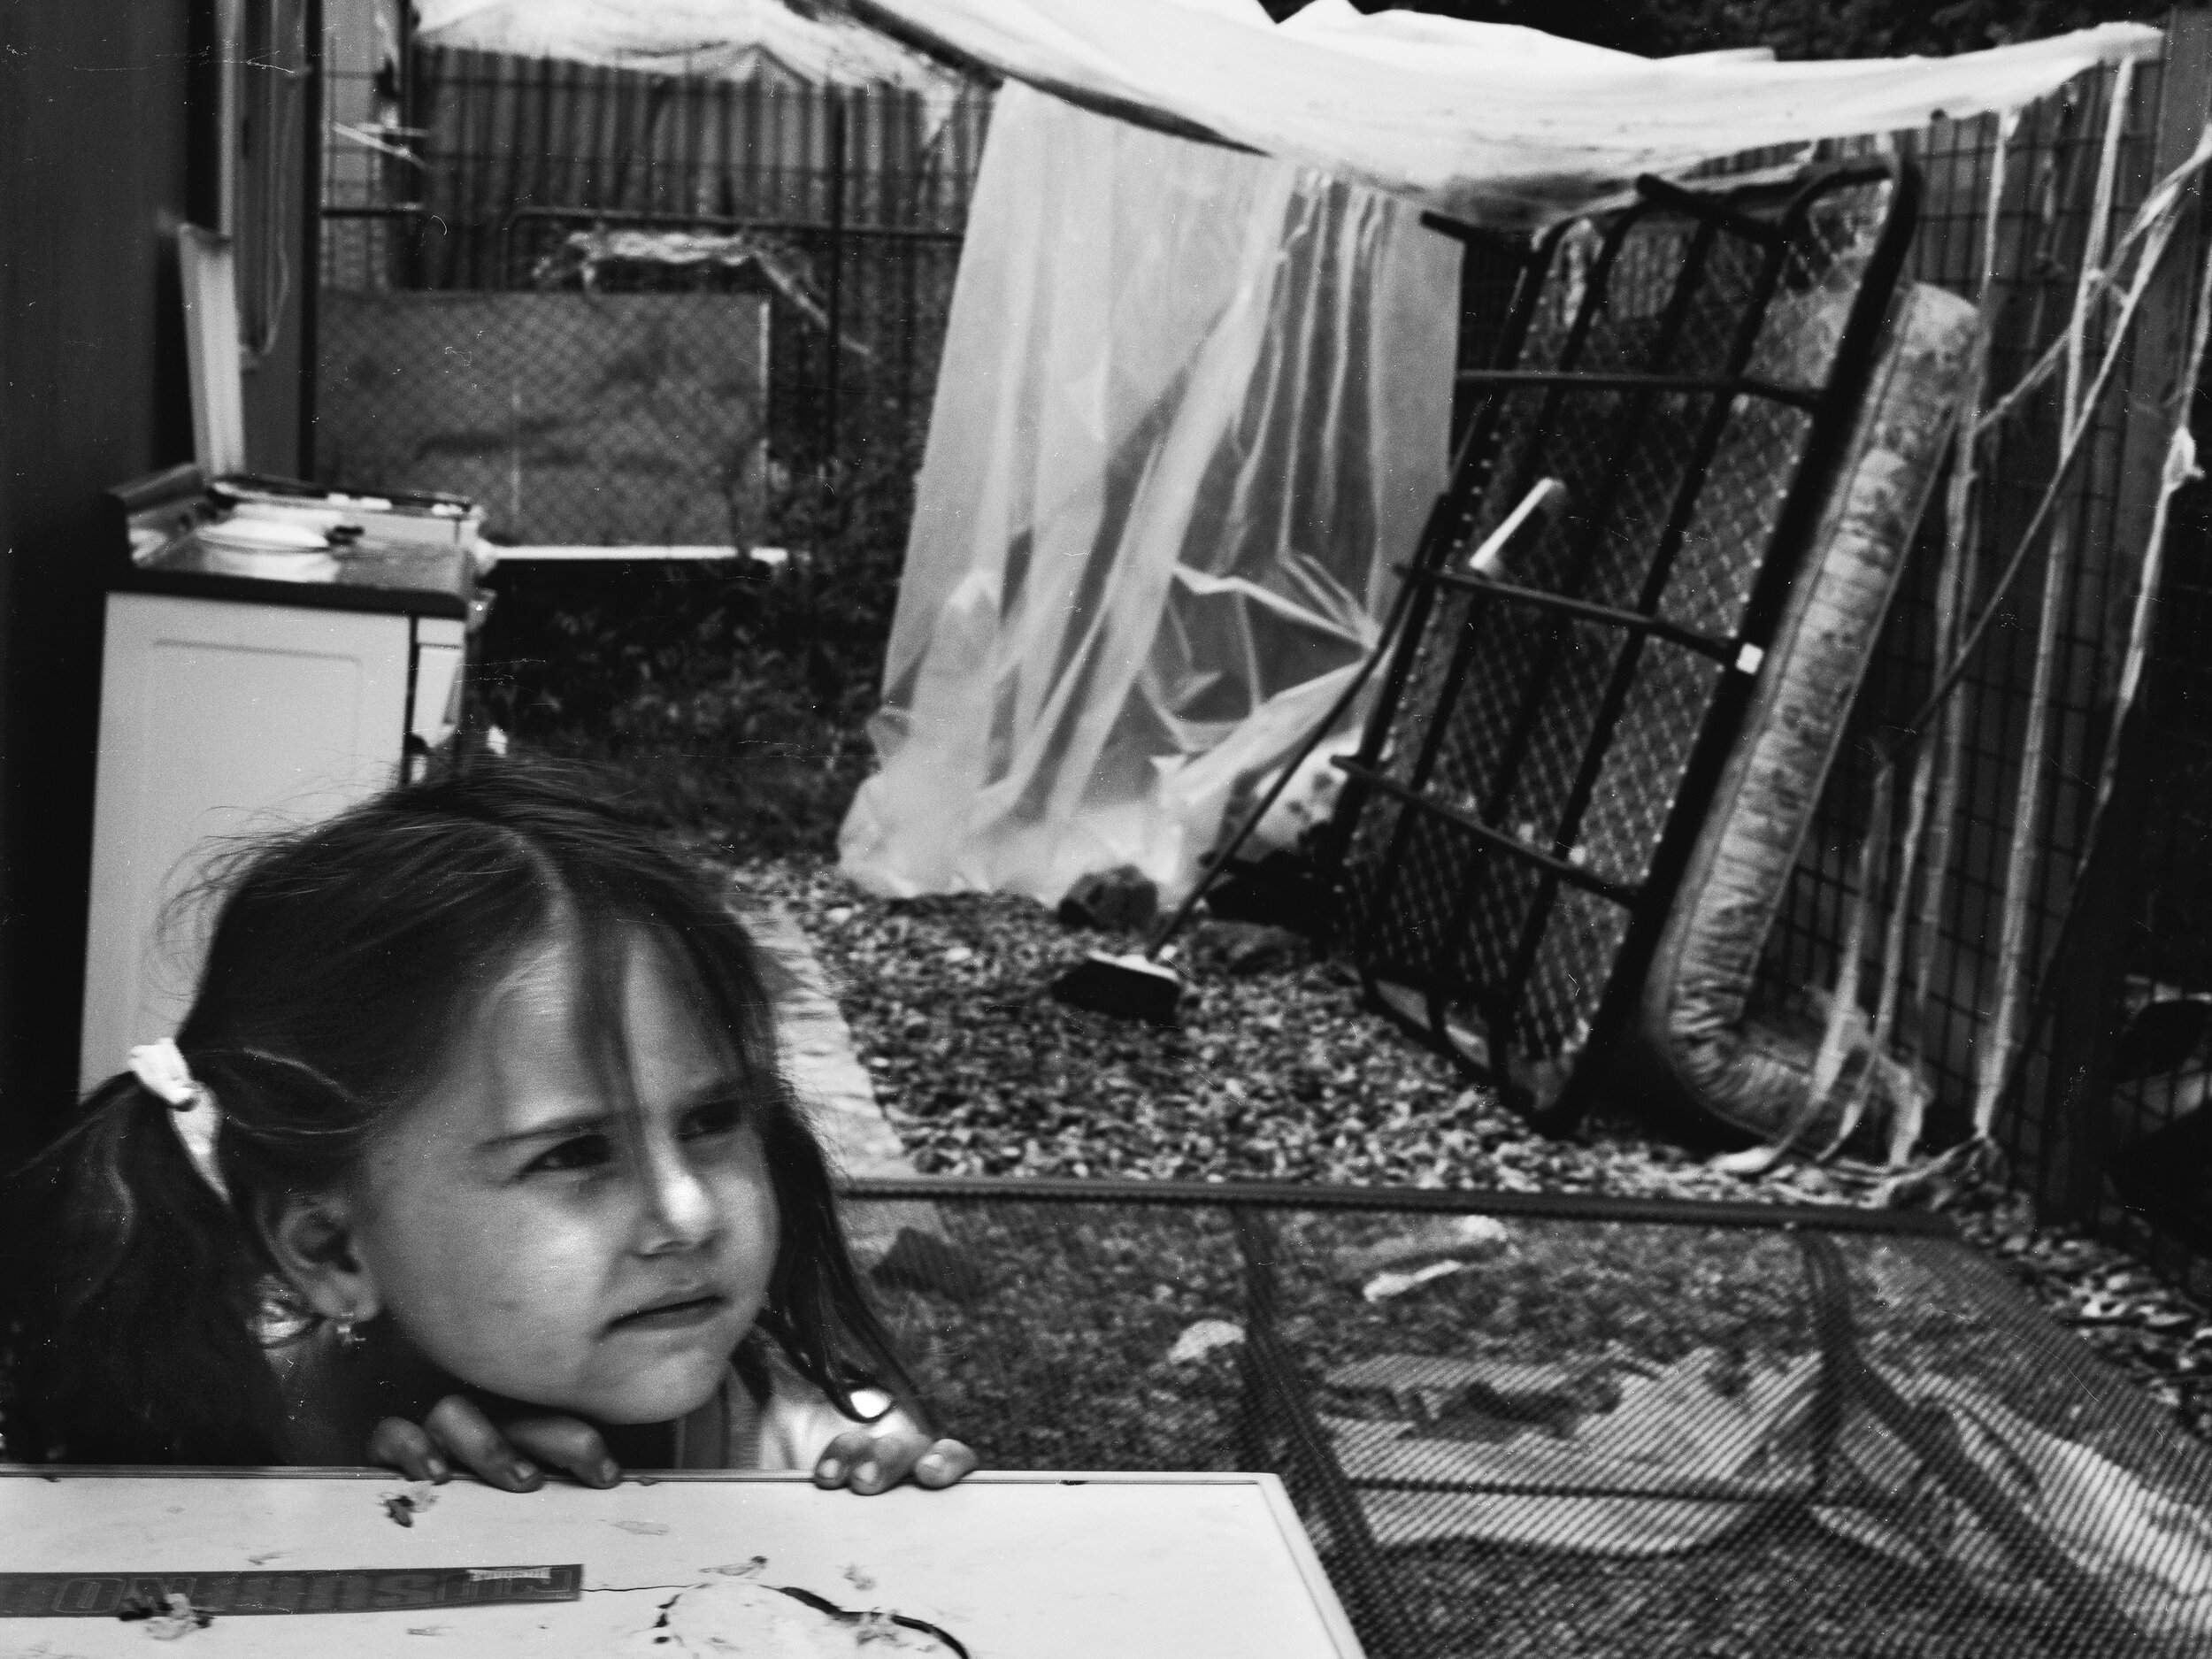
311, 1235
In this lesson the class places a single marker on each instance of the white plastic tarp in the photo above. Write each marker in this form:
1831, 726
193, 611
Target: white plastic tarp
721, 40
1192, 404
1488, 123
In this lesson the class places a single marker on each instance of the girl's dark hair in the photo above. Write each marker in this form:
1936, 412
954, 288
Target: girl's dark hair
343, 959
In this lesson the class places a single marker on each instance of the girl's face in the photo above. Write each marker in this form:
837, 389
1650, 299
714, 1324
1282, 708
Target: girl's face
531, 1237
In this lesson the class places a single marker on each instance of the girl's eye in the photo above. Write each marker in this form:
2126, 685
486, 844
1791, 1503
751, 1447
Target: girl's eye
715, 1118
584, 1152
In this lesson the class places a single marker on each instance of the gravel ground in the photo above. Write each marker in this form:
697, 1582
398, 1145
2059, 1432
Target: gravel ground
1284, 1077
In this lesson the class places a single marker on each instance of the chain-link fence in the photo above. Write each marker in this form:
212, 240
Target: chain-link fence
798, 244
2100, 1116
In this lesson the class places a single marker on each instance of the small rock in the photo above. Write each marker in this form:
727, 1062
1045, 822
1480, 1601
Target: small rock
1201, 1339
1122, 900
959, 954
2101, 1310
1249, 948
839, 916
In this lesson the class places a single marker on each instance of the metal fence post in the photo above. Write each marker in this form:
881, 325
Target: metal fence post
836, 298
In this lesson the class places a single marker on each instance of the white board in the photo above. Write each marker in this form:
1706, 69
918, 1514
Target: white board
1014, 1566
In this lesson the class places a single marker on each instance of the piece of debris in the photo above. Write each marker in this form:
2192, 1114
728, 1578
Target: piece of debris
1123, 900
741, 1568
1248, 949
1130, 987
643, 1529
1203, 1338
1382, 1286
1456, 1238
166, 1620
1432, 1387
404, 1506
859, 1578
728, 1616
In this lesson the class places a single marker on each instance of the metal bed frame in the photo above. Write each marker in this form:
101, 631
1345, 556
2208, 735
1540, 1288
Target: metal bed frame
1445, 881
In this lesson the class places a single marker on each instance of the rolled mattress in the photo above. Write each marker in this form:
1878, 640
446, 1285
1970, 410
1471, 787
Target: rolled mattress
1696, 1027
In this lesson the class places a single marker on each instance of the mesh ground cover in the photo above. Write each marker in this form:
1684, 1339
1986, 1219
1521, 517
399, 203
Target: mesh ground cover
1595, 1430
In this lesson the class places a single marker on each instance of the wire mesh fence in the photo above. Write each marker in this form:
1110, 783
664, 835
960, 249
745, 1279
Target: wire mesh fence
2072, 1121
2049, 176
1545, 1425
839, 211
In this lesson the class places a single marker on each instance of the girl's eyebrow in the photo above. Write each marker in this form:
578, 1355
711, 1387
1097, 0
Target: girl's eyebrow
581, 1123
709, 1094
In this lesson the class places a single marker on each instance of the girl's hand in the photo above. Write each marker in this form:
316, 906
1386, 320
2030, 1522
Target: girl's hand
863, 1462
458, 1432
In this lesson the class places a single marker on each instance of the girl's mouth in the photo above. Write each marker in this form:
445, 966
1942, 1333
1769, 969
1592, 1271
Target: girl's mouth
672, 1316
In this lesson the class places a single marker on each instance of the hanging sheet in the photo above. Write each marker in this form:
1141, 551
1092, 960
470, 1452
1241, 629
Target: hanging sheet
1488, 123
1491, 123
1192, 404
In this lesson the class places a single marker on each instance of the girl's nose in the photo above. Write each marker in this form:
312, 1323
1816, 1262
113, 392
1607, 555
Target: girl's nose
678, 1212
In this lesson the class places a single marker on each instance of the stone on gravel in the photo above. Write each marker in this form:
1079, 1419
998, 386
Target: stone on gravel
1118, 901
1248, 949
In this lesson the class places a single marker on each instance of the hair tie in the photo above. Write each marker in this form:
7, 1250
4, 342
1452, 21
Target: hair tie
161, 1071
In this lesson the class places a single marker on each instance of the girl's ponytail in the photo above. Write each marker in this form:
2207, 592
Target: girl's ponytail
141, 1299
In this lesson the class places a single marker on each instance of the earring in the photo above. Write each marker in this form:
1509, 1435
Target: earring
348, 1338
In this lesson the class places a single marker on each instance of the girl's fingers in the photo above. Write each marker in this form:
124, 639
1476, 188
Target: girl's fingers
873, 1463
943, 1463
566, 1443
395, 1443
458, 1426
846, 1455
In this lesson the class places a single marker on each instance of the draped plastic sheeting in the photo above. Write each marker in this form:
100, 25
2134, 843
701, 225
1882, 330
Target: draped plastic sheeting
1192, 404
1491, 123
723, 40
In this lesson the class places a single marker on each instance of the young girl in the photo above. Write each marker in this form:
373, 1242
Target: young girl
473, 1141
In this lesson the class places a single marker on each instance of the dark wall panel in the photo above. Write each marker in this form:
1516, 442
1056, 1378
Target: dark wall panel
96, 108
